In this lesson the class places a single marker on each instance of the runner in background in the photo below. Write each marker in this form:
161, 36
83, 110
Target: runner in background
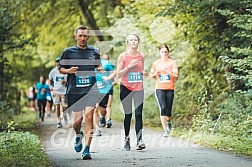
41, 89
58, 88
49, 101
109, 103
31, 95
105, 81
165, 71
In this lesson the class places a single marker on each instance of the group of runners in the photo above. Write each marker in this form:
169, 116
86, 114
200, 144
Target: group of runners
86, 79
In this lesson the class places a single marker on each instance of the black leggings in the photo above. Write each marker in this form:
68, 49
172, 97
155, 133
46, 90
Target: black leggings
165, 100
41, 107
126, 97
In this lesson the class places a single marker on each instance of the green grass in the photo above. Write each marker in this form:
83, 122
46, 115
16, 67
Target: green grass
221, 142
21, 149
26, 120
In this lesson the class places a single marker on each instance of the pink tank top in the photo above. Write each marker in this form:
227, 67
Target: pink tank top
133, 79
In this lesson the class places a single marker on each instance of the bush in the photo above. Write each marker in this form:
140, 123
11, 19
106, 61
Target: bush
21, 149
232, 117
227, 125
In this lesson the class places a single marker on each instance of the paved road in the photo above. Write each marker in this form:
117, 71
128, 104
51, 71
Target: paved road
107, 150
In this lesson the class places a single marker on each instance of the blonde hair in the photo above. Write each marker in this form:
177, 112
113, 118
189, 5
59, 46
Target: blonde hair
127, 38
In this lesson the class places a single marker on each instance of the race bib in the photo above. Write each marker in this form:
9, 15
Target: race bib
164, 78
135, 77
59, 78
83, 81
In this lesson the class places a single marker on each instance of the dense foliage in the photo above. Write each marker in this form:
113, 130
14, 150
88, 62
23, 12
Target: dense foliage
223, 50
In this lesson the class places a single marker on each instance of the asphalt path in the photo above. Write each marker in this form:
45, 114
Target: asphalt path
107, 150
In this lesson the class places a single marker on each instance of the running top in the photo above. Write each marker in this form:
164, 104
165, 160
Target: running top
105, 86
163, 80
41, 95
133, 79
57, 78
86, 60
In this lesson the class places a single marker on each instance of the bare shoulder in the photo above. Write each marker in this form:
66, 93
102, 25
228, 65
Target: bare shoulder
121, 56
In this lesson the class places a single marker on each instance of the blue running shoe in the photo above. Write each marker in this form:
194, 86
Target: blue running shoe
86, 154
169, 126
102, 122
39, 116
78, 142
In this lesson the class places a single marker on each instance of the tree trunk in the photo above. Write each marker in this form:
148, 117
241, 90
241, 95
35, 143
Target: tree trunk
1, 73
87, 13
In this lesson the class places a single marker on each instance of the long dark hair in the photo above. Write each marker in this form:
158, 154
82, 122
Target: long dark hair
44, 77
164, 46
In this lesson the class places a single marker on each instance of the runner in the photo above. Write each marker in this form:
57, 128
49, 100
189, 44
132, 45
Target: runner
41, 89
58, 88
80, 62
165, 71
31, 95
130, 67
49, 101
110, 99
105, 86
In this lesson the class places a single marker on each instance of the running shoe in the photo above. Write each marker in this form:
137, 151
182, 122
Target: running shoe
169, 126
98, 132
78, 142
102, 122
59, 125
165, 133
140, 145
127, 143
86, 154
109, 123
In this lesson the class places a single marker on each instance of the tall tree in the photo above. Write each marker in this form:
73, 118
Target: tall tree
84, 5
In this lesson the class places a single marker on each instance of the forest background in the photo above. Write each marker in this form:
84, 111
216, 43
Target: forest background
209, 40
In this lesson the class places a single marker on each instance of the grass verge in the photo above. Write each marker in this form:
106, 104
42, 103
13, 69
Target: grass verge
26, 120
19, 148
232, 144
